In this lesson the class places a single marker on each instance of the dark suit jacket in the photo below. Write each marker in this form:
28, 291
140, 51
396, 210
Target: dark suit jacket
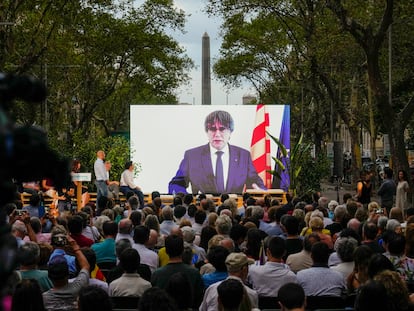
196, 169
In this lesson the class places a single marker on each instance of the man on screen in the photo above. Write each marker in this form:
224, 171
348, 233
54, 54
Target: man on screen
216, 167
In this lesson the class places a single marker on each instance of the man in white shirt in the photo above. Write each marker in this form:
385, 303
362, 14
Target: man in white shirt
101, 176
127, 183
148, 257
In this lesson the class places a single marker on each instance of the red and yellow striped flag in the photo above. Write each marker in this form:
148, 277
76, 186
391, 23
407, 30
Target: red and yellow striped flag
260, 146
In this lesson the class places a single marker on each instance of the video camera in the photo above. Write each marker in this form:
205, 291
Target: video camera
24, 156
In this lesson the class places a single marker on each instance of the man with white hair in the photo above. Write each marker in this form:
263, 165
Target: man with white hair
21, 227
199, 254
338, 220
223, 225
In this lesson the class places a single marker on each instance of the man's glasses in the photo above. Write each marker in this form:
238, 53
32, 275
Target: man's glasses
214, 129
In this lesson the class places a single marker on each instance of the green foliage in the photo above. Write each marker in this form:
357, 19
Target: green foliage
313, 171
116, 148
294, 164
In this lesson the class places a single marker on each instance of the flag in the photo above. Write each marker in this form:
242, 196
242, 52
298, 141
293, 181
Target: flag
284, 138
260, 146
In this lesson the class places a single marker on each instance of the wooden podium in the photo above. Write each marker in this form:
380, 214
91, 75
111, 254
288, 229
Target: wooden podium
80, 177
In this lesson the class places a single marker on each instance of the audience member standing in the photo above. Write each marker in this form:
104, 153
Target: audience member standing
101, 176
402, 189
387, 190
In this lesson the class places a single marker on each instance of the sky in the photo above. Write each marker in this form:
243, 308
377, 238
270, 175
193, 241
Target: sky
197, 24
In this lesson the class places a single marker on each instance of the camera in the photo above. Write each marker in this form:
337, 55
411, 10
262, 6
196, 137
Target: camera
379, 211
20, 212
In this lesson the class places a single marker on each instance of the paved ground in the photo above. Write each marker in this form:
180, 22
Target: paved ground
329, 191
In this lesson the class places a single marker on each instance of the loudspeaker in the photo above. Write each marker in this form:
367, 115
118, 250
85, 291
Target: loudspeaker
338, 149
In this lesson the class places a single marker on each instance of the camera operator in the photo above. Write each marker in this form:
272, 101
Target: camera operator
21, 227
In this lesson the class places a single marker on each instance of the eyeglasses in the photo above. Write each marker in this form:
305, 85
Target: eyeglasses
215, 129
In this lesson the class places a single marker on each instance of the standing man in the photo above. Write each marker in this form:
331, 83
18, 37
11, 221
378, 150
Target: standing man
101, 176
216, 167
387, 190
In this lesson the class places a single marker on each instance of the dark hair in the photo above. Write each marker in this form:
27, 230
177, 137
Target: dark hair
237, 232
174, 246
291, 224
309, 240
127, 165
110, 228
388, 172
254, 242
217, 257
206, 234
373, 296
188, 199
141, 234
320, 253
224, 197
34, 199
75, 224
378, 263
277, 247
27, 296
179, 211
192, 210
136, 218
223, 117
370, 230
230, 294
180, 289
405, 175
200, 216
177, 200
58, 271
129, 260
90, 257
122, 245
396, 245
156, 299
93, 298
291, 295
155, 194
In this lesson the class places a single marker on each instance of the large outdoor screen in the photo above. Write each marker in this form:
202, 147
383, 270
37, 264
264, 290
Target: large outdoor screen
160, 136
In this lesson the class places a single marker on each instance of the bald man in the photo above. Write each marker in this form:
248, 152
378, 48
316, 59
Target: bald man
101, 176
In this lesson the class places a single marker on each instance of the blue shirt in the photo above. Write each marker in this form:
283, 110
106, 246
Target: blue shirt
211, 278
71, 260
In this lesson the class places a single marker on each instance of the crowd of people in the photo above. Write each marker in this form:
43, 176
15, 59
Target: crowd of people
198, 255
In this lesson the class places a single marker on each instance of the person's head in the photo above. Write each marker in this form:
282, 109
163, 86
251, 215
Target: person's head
372, 296
108, 165
27, 296
129, 165
19, 229
223, 224
141, 234
93, 298
136, 218
320, 253
29, 254
122, 245
369, 230
75, 224
402, 175
217, 257
257, 212
58, 269
179, 211
100, 154
309, 240
90, 256
167, 213
219, 125
238, 264
34, 199
191, 210
276, 248
230, 295
133, 202
396, 245
345, 248
152, 222
291, 296
129, 260
393, 225
155, 299
396, 288
378, 263
125, 226
200, 216
174, 246
388, 172
238, 233
58, 237
180, 289
397, 213
110, 229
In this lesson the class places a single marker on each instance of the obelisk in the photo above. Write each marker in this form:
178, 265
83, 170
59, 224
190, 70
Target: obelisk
205, 71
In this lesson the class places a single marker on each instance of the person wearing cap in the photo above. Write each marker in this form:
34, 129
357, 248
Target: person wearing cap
63, 295
268, 278
59, 241
199, 254
238, 268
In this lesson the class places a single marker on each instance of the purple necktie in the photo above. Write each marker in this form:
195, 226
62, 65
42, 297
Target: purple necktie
219, 173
